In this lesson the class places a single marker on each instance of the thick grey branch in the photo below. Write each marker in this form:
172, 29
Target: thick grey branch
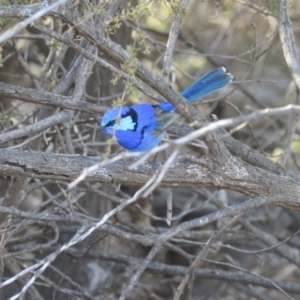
34, 128
239, 177
45, 98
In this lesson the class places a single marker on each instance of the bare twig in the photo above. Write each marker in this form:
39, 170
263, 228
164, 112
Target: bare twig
288, 41
12, 31
291, 131
172, 38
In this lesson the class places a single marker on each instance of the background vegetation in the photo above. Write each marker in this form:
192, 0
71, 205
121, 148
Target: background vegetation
215, 217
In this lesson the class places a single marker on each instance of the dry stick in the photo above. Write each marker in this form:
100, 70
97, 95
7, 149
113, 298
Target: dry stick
35, 78
272, 282
169, 206
162, 172
256, 8
40, 216
250, 292
6, 35
42, 265
14, 268
69, 293
10, 199
62, 87
67, 80
79, 90
165, 73
34, 128
145, 241
200, 255
12, 31
137, 82
264, 237
83, 232
28, 140
255, 59
65, 275
139, 272
234, 121
185, 226
268, 239
173, 38
73, 284
291, 57
288, 41
46, 98
291, 131
42, 124
167, 245
216, 274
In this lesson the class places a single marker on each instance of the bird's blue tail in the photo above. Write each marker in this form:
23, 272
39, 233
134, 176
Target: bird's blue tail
205, 85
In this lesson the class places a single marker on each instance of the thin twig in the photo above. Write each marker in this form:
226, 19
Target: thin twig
291, 131
20, 25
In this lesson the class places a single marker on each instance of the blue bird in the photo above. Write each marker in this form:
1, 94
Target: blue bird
141, 127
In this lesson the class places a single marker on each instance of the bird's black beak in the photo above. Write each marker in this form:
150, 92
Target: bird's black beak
99, 128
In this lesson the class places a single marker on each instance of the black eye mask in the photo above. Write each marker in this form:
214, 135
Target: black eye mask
110, 123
